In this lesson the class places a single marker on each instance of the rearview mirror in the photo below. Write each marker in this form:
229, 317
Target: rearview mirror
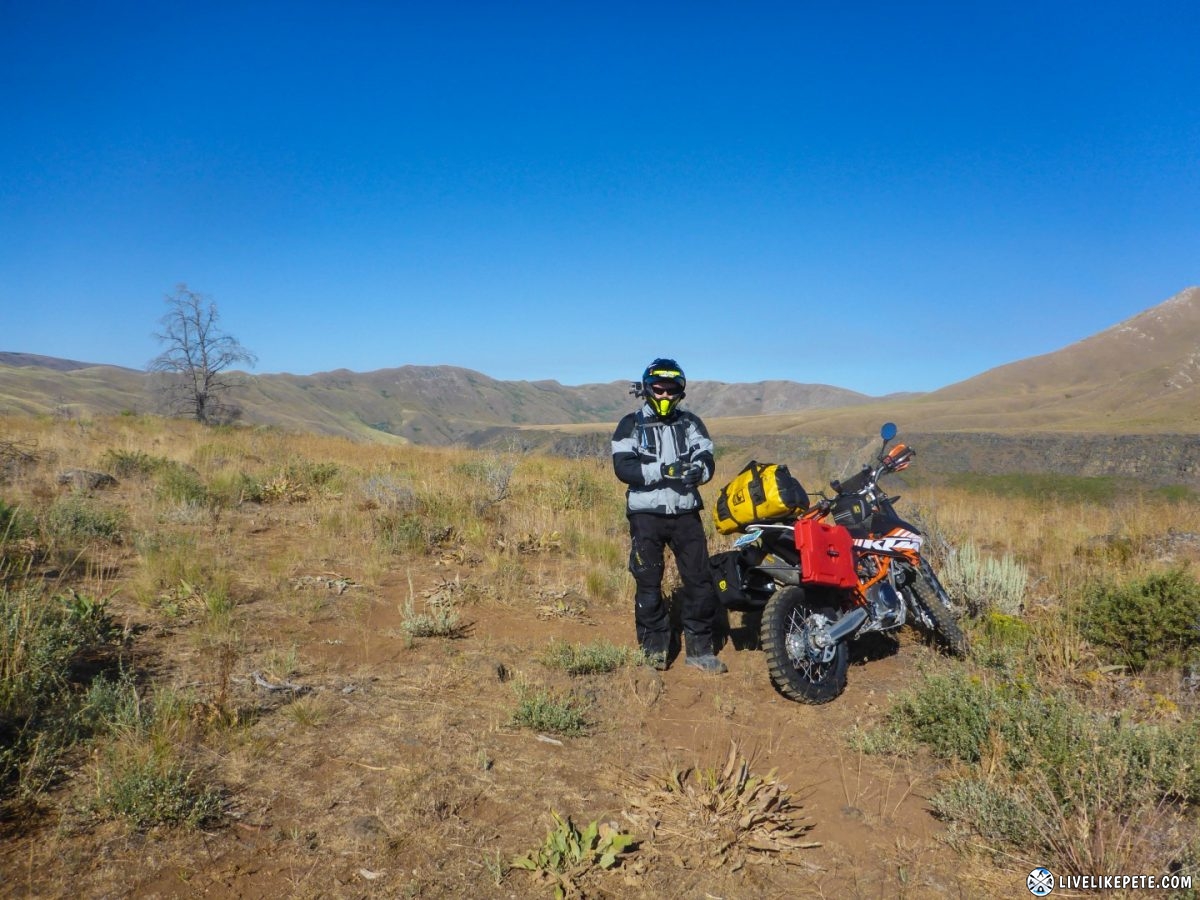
888, 431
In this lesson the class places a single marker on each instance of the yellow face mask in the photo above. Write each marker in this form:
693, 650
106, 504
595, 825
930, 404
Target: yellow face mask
663, 405
665, 398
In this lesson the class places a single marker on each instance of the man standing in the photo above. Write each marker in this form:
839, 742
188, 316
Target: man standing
664, 454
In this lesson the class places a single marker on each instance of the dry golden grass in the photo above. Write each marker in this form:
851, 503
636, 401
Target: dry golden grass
397, 770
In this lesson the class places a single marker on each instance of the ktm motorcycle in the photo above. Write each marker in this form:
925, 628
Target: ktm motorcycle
846, 567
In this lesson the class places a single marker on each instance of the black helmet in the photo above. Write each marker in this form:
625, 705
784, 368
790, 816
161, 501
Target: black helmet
662, 371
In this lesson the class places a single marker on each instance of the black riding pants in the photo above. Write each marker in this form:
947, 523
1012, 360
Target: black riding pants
684, 534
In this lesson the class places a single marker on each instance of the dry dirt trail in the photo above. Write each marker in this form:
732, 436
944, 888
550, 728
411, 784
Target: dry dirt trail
397, 772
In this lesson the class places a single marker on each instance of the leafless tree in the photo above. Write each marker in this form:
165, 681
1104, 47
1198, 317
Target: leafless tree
196, 364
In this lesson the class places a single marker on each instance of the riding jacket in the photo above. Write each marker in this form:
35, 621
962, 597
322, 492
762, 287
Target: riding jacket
643, 442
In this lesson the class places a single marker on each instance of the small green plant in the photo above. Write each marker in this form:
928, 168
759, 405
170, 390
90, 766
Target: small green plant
113, 706
412, 532
314, 474
231, 489
42, 639
16, 523
568, 854
441, 618
580, 489
496, 867
586, 659
180, 484
542, 710
18, 540
126, 463
75, 517
494, 474
90, 617
1147, 620
146, 790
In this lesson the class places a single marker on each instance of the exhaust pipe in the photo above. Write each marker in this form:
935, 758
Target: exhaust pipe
843, 627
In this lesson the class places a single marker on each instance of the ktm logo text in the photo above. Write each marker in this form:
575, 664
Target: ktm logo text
888, 543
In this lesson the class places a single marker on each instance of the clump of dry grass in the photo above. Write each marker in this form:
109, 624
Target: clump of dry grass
721, 817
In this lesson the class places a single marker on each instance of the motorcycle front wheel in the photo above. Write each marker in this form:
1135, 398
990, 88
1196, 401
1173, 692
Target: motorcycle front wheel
800, 670
933, 603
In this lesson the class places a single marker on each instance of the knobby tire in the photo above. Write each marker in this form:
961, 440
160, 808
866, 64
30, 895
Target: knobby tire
928, 592
805, 681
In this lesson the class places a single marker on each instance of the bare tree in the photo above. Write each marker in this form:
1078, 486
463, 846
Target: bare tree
196, 364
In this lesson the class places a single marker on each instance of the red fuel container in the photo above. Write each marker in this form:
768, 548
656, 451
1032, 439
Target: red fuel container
826, 554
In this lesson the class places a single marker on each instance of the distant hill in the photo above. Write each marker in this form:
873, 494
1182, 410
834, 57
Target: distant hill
1141, 376
1141, 373
23, 360
423, 404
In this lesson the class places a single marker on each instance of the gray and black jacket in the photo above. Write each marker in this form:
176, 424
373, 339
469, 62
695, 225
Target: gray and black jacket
640, 446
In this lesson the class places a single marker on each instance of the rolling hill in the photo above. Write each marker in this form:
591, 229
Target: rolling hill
1141, 376
423, 404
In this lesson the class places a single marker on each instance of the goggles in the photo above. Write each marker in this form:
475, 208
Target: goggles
665, 390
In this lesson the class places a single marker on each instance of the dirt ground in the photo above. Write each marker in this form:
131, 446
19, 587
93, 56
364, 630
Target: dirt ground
394, 770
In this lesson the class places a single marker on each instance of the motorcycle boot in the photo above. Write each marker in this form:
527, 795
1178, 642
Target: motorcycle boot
700, 656
653, 625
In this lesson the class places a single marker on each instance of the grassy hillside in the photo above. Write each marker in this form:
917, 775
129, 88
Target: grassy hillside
1141, 376
262, 663
423, 404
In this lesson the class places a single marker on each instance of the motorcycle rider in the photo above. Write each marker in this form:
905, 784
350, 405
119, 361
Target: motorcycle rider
663, 453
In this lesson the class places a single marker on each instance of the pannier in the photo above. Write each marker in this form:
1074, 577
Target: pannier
738, 586
760, 493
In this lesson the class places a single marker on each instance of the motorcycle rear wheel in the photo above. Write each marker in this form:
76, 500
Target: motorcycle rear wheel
931, 597
800, 670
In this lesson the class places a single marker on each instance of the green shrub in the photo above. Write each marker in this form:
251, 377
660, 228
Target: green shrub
399, 532
579, 489
1042, 769
180, 484
984, 583
16, 523
586, 659
131, 462
441, 618
1147, 620
230, 489
146, 790
75, 517
18, 545
42, 639
542, 710
989, 807
493, 473
112, 706
950, 713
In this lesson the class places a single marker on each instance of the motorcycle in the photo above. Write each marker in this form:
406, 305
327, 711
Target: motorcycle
846, 567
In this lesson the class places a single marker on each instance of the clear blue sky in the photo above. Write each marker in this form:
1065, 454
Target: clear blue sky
882, 196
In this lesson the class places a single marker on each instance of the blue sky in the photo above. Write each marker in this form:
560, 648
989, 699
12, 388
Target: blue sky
881, 196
